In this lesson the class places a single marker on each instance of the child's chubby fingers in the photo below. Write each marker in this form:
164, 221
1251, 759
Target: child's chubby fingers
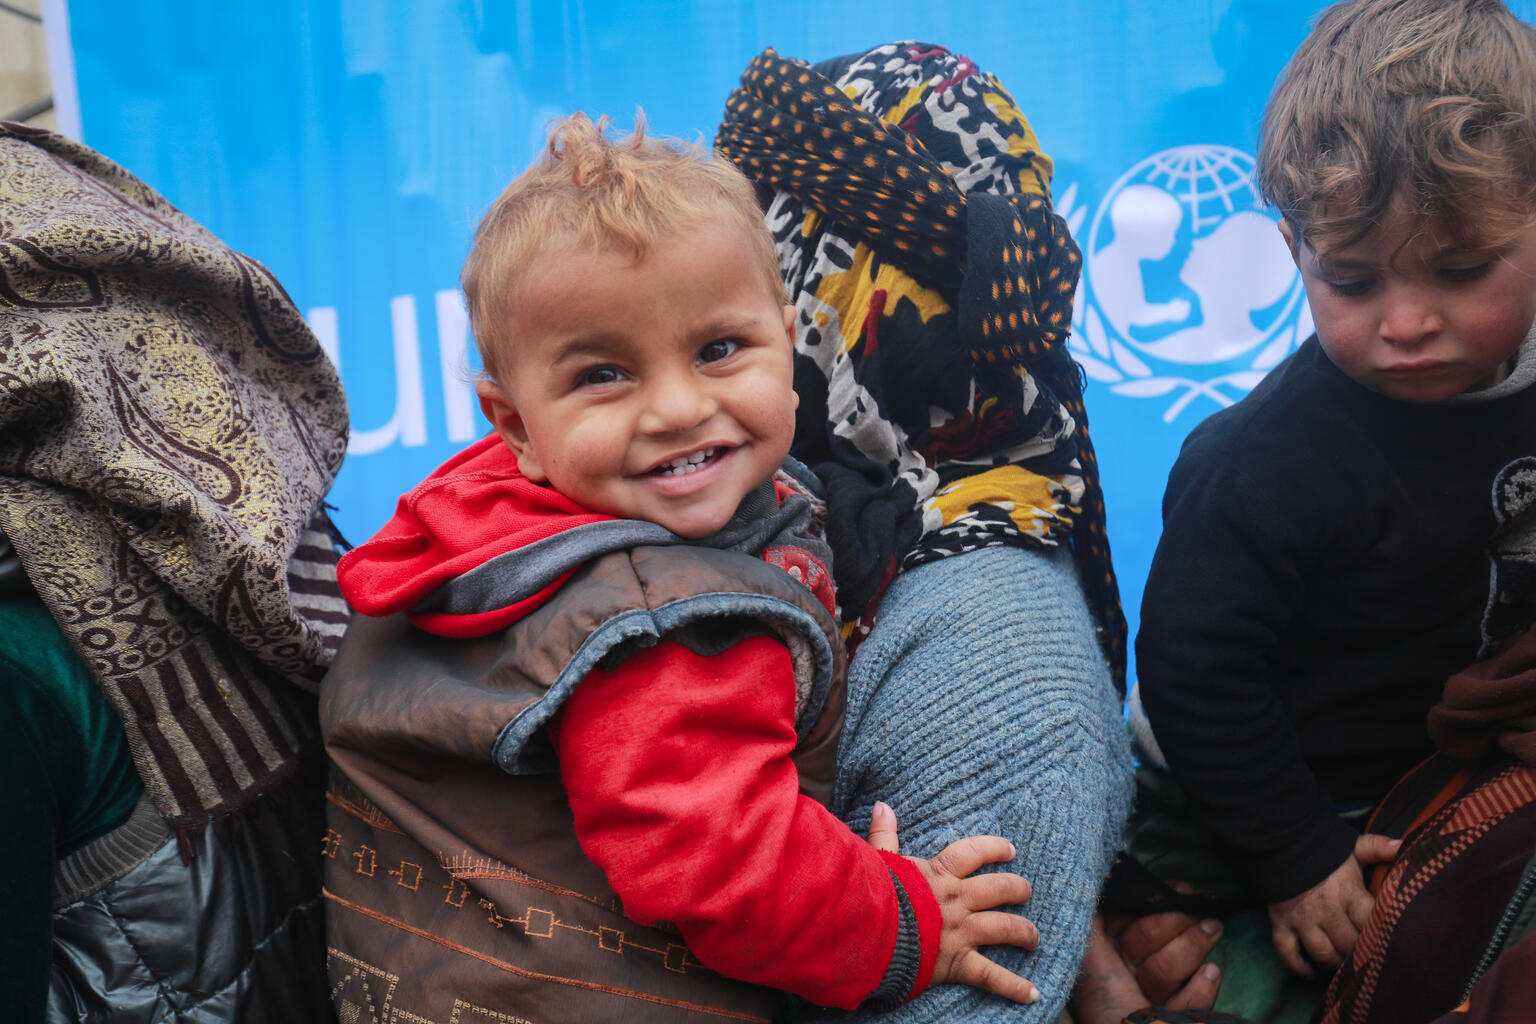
882, 828
964, 856
1331, 935
1288, 946
979, 972
1321, 948
994, 889
1374, 848
1341, 936
1001, 928
1354, 910
1358, 910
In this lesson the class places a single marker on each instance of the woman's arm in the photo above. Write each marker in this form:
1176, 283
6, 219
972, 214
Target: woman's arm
981, 703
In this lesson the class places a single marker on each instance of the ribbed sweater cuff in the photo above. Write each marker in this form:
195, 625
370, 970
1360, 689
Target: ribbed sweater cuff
1327, 842
919, 924
103, 861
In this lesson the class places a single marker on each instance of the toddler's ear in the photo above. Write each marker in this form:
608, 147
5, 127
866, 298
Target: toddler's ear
789, 329
508, 423
1291, 241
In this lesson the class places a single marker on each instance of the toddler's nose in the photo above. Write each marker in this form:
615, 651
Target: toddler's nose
676, 409
1406, 319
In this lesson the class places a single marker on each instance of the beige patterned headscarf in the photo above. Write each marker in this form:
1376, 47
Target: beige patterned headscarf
168, 428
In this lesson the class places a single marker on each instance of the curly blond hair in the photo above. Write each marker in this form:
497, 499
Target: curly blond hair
1426, 103
595, 189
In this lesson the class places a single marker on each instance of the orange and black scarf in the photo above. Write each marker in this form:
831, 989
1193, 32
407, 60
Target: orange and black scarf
910, 204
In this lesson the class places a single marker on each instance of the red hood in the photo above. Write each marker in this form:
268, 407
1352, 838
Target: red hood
473, 507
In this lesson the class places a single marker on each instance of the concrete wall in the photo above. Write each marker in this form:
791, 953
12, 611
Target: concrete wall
24, 81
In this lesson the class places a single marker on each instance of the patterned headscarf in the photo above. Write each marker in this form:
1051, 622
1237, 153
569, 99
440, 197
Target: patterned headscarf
168, 428
910, 203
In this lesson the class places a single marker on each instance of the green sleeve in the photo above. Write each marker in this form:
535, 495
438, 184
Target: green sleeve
65, 778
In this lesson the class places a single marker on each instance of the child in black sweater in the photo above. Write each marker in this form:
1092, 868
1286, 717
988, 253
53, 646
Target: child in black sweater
1347, 536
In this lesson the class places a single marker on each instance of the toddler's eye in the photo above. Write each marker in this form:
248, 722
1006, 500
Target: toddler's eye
1462, 274
599, 375
1349, 289
718, 349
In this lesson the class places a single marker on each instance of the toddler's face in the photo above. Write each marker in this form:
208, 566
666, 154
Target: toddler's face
1411, 313
659, 390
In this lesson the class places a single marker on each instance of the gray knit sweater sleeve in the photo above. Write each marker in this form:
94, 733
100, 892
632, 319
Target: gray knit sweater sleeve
981, 704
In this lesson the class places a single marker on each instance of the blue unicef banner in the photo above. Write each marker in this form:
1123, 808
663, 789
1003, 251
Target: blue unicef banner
350, 145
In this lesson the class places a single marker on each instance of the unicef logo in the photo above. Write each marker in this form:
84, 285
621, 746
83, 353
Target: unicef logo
1189, 290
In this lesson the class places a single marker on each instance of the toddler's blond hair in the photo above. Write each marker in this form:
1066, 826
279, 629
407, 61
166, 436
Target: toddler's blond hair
591, 189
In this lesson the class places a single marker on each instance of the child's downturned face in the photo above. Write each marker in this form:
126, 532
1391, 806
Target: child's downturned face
660, 390
1411, 313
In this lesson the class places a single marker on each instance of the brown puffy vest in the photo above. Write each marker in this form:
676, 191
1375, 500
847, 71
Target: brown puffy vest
456, 890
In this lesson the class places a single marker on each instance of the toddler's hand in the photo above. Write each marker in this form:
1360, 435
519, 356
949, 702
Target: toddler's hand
1324, 922
965, 902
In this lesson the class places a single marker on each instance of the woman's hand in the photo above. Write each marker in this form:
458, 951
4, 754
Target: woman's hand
1128, 957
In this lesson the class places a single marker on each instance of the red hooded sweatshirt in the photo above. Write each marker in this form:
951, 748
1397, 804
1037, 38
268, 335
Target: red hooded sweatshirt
677, 764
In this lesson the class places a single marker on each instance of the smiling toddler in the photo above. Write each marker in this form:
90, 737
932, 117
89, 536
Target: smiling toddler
583, 730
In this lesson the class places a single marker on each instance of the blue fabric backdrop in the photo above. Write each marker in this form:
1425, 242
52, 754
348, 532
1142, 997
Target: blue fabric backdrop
351, 145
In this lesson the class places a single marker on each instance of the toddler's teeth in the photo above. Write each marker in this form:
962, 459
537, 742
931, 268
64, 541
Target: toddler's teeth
685, 464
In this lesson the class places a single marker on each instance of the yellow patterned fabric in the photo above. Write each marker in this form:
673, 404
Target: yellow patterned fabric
168, 429
910, 203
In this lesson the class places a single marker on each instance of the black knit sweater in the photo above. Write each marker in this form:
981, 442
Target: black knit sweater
1323, 568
